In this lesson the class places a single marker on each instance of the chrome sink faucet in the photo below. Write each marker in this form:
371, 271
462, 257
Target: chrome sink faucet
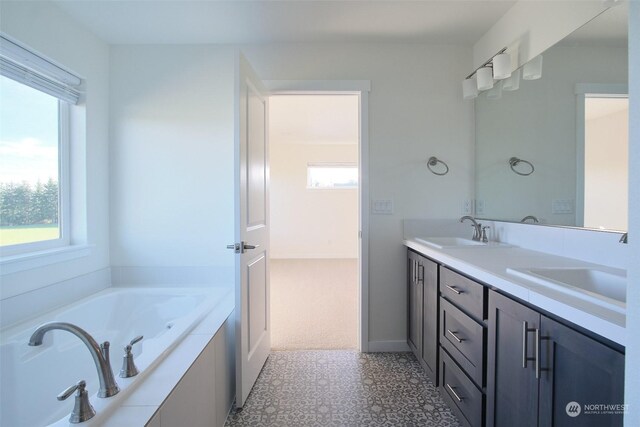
477, 227
99, 352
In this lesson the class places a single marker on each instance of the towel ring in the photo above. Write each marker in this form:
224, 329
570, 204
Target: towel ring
514, 161
433, 161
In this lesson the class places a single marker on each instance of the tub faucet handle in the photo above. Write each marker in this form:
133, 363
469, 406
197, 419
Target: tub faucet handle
136, 340
129, 368
82, 410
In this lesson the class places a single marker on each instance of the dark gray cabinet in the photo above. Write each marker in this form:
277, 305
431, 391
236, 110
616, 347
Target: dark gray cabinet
462, 338
422, 309
429, 357
414, 304
537, 367
512, 388
577, 368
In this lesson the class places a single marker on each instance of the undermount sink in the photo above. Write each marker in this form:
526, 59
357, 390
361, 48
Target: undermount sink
455, 242
601, 287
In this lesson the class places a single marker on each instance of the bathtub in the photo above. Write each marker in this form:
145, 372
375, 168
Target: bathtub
32, 377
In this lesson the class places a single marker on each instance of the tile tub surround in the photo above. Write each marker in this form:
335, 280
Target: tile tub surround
489, 265
135, 405
342, 388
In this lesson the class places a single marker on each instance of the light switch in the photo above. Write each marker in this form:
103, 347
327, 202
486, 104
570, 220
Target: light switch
382, 207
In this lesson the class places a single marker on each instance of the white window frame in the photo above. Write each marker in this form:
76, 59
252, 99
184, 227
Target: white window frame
64, 204
346, 165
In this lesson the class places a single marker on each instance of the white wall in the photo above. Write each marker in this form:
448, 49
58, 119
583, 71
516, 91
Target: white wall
416, 110
606, 180
531, 27
169, 107
538, 123
49, 31
172, 162
311, 223
632, 379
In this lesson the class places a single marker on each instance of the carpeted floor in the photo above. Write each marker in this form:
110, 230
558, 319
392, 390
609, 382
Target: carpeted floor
342, 388
314, 304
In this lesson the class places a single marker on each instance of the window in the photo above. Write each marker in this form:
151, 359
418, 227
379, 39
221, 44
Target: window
34, 129
332, 175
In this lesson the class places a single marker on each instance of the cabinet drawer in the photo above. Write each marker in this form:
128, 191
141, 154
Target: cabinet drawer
463, 338
464, 293
464, 398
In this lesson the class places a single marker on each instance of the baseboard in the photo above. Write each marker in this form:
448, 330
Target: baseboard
388, 346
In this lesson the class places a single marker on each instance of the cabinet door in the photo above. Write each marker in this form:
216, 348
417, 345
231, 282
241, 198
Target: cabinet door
428, 272
576, 368
512, 387
414, 306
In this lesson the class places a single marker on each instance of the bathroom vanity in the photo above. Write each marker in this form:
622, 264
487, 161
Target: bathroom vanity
509, 351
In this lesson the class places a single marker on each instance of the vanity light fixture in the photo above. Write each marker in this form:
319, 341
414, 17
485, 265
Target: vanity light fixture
501, 66
513, 82
532, 70
484, 77
469, 88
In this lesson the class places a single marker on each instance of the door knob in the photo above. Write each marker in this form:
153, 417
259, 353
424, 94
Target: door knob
241, 247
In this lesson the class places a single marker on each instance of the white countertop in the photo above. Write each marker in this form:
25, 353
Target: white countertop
489, 265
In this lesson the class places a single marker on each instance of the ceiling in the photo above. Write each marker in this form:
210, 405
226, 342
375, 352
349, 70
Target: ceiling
239, 22
313, 119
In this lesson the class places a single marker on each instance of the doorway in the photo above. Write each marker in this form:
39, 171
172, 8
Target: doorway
606, 159
602, 156
315, 190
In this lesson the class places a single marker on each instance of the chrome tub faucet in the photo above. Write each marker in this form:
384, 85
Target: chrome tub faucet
99, 352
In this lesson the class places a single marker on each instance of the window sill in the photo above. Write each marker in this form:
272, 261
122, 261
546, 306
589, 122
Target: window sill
15, 263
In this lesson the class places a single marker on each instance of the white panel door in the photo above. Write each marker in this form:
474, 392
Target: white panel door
253, 341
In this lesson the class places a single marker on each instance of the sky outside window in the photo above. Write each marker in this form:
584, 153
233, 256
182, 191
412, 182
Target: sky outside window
332, 176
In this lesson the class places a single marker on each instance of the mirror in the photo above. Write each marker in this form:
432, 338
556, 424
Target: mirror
555, 150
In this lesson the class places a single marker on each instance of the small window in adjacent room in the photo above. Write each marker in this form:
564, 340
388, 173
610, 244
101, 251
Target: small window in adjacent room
35, 97
332, 175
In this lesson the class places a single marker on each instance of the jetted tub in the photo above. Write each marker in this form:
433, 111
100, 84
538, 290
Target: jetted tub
32, 377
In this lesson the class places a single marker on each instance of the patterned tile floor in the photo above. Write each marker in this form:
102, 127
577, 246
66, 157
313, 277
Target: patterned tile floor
342, 388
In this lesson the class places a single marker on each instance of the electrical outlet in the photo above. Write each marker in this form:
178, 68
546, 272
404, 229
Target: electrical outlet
382, 207
467, 207
562, 206
479, 207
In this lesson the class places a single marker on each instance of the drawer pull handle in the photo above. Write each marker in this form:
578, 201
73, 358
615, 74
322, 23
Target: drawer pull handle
453, 334
458, 398
454, 290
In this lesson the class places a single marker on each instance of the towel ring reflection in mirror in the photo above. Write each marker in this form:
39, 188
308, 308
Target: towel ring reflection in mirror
433, 161
514, 161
